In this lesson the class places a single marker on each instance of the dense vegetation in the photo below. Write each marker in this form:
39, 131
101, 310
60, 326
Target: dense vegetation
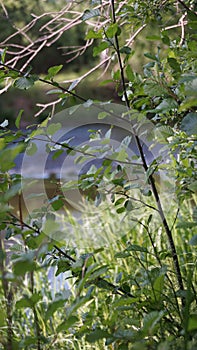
119, 270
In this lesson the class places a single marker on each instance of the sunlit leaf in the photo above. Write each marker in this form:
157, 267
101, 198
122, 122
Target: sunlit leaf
52, 71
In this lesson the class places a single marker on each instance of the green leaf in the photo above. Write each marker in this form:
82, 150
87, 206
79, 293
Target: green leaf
18, 118
129, 73
122, 255
189, 124
21, 267
112, 30
97, 335
23, 302
128, 205
3, 54
94, 35
100, 271
88, 103
192, 323
67, 324
54, 91
102, 115
193, 240
98, 49
54, 306
137, 248
167, 105
72, 86
154, 89
13, 190
158, 287
185, 224
151, 321
53, 128
125, 49
25, 83
7, 157
194, 214
174, 64
57, 204
152, 57
52, 71
121, 210
153, 37
90, 14
193, 186
31, 149
187, 104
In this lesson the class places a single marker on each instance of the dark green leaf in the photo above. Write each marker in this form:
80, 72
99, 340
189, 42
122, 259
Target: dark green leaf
193, 240
25, 83
90, 14
67, 324
97, 335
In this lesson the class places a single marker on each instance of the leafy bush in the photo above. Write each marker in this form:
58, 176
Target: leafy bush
125, 267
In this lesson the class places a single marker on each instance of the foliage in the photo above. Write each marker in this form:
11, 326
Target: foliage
137, 288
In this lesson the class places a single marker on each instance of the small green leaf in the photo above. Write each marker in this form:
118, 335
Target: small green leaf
122, 255
102, 115
3, 54
18, 118
53, 128
137, 248
31, 149
52, 71
128, 205
121, 210
126, 49
98, 49
152, 57
153, 37
94, 35
58, 204
73, 85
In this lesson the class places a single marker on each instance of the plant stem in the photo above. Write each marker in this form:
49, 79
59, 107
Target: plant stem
37, 326
8, 299
145, 166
